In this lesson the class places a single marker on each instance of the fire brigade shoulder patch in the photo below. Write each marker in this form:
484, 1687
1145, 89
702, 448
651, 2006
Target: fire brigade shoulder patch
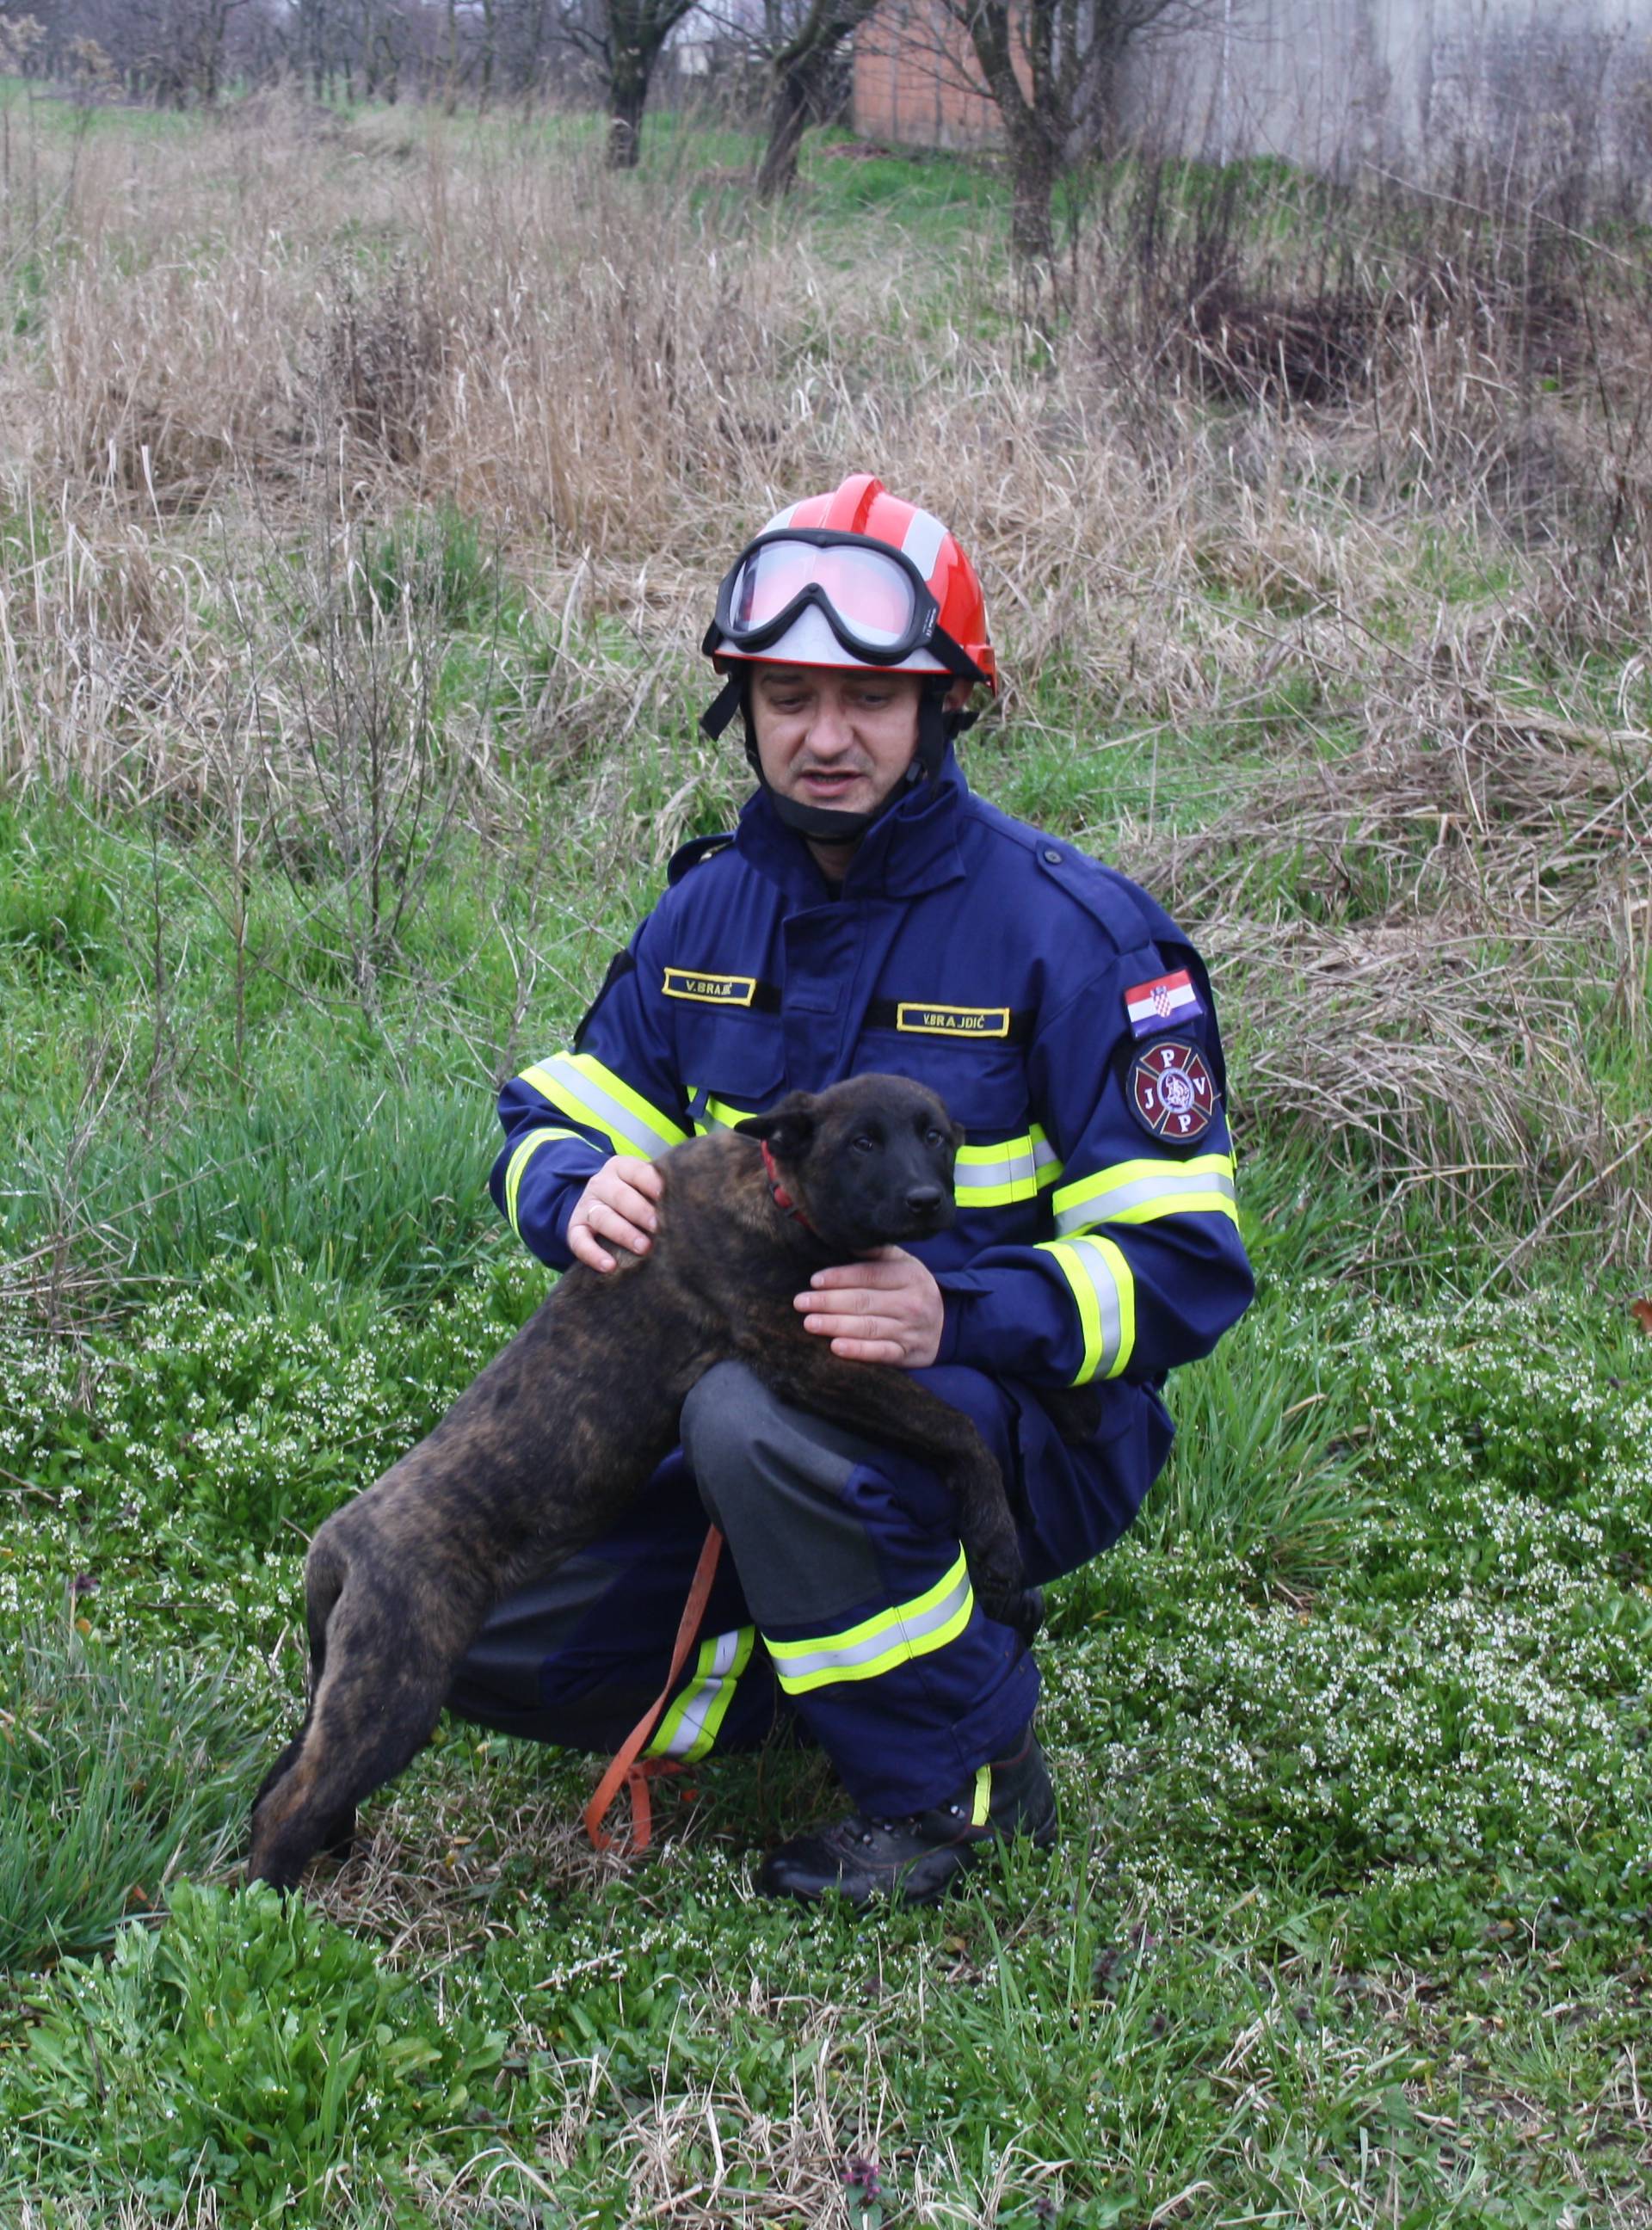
1162, 1002
1172, 1094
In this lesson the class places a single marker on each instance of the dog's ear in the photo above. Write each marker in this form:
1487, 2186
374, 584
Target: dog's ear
789, 1127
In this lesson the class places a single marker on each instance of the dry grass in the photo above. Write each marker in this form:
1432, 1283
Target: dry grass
254, 344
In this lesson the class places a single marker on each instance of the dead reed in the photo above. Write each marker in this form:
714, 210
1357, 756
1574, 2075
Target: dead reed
1390, 453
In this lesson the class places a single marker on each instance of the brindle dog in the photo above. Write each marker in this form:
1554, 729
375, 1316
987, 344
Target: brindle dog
548, 1447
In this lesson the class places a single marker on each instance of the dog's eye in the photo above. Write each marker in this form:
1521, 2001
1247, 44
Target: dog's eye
933, 1137
864, 1144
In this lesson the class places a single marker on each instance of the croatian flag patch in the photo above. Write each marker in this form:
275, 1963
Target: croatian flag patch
1167, 999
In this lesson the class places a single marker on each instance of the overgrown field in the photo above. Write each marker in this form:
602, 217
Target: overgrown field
365, 483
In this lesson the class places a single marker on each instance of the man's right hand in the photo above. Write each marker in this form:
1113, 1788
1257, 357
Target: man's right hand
615, 1209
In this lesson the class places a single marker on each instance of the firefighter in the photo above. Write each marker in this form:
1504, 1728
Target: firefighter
870, 912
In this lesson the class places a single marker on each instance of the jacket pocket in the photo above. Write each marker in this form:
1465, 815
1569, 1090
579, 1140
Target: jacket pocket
982, 1086
732, 1066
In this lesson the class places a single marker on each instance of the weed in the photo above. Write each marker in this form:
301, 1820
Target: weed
115, 1775
248, 2047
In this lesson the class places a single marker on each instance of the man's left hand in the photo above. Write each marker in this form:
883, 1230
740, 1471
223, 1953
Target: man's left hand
885, 1308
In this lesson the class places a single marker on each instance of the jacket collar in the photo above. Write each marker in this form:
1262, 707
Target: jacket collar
912, 847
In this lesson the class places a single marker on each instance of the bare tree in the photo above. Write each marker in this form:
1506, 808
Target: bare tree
803, 46
1052, 67
623, 40
173, 52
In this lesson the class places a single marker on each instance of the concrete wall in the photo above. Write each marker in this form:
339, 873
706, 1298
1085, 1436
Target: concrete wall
1333, 84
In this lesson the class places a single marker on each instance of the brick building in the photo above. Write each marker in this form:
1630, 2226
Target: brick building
1333, 83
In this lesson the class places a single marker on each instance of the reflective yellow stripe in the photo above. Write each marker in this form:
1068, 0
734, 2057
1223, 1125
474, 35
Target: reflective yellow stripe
710, 1114
1139, 1192
581, 1087
519, 1162
1011, 1170
893, 1637
983, 1803
689, 1728
1106, 1293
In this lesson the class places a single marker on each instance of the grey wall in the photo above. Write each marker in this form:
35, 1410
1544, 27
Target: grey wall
1404, 83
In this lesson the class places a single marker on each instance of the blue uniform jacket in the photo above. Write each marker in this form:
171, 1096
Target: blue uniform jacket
1097, 1237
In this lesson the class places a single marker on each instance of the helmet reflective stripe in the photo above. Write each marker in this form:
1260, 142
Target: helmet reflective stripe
923, 542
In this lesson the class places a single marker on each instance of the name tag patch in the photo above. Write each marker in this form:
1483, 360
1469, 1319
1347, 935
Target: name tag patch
918, 1019
709, 990
1173, 1093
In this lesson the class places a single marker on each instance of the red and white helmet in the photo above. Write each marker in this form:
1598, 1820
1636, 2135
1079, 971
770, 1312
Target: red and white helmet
854, 578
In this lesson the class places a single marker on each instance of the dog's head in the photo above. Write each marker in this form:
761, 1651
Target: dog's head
867, 1163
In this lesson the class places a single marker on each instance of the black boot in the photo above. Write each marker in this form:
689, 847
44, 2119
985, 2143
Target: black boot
916, 1861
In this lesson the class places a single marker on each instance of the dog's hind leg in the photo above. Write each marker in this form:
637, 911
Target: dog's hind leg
372, 1711
324, 1578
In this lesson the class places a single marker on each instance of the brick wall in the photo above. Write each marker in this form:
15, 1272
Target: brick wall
915, 81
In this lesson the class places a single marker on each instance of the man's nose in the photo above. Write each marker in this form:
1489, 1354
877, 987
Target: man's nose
829, 731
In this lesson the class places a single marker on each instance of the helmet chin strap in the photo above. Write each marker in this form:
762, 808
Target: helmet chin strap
936, 726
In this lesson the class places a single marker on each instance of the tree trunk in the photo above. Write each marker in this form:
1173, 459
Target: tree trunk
628, 95
1032, 172
1031, 119
490, 43
789, 109
801, 72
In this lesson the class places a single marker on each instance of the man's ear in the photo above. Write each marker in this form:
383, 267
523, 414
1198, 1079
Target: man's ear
789, 1127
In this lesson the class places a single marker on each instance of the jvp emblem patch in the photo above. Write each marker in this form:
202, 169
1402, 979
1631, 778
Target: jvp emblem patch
1173, 1093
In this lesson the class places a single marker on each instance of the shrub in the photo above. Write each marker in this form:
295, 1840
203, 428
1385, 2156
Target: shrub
249, 2048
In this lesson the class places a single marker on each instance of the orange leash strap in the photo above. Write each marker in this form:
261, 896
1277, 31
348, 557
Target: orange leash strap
629, 1769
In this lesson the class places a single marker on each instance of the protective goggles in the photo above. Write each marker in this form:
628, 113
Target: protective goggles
872, 597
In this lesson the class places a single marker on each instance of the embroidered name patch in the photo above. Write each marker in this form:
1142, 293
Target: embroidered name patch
913, 1017
710, 991
1166, 999
1173, 1093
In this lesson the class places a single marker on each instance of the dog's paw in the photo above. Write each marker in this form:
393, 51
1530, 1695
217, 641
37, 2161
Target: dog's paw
1016, 1606
1029, 1613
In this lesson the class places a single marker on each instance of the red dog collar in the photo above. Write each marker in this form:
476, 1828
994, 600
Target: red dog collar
783, 1199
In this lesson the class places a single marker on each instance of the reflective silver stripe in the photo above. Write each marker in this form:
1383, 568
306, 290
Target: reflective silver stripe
692, 1724
923, 541
570, 1085
880, 1643
1106, 1293
1016, 1165
1161, 1195
1015, 1169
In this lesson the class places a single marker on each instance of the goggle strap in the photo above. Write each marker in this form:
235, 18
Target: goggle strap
722, 707
954, 656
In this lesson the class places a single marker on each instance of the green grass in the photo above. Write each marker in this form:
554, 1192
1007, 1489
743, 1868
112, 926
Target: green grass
1352, 1740
1352, 1732
115, 1777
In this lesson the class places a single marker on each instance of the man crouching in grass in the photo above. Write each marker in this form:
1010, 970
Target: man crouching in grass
871, 914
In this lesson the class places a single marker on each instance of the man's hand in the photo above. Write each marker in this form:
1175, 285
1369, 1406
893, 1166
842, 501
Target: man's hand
616, 1206
885, 1308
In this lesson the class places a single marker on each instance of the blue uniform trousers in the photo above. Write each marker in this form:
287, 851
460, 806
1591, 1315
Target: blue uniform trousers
842, 1599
